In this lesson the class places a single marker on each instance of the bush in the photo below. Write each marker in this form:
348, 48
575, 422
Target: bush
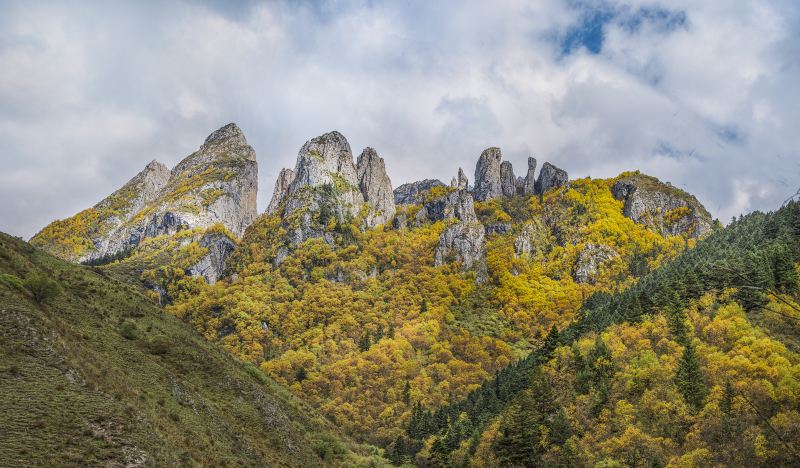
41, 287
11, 280
128, 330
159, 344
327, 446
255, 372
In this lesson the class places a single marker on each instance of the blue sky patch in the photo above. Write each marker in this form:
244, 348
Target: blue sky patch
589, 31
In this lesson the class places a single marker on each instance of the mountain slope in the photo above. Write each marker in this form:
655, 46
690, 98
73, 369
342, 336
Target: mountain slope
366, 323
696, 364
97, 375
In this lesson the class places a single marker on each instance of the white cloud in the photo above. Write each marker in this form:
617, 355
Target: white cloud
90, 94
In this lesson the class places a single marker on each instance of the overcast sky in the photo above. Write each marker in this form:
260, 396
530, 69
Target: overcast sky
703, 94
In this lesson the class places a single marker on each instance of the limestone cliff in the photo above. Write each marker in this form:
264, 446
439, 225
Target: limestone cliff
666, 209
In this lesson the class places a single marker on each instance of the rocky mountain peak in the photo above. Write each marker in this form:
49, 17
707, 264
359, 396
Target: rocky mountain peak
662, 207
325, 183
551, 177
507, 179
529, 183
376, 187
324, 160
413, 193
487, 175
230, 133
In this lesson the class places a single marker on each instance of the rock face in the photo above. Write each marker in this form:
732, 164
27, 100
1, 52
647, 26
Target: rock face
551, 177
215, 184
414, 192
325, 188
376, 187
488, 183
462, 242
661, 207
457, 205
463, 238
285, 179
533, 234
212, 264
463, 182
529, 183
507, 179
591, 258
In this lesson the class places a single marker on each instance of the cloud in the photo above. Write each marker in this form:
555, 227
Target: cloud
702, 94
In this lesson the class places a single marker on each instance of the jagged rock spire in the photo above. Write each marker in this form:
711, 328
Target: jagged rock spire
551, 177
282, 184
529, 183
507, 179
487, 175
376, 187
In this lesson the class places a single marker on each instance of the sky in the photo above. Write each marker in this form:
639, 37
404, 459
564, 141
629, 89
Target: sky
705, 95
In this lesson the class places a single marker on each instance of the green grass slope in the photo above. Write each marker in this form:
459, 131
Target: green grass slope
98, 375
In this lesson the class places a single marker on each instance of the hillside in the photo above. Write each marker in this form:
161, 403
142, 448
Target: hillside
696, 364
98, 375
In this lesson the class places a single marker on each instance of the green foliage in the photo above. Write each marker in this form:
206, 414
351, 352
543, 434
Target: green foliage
12, 281
128, 330
689, 378
159, 344
41, 287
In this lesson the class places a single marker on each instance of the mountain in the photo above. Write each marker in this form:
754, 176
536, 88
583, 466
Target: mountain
367, 321
695, 364
93, 373
217, 184
426, 318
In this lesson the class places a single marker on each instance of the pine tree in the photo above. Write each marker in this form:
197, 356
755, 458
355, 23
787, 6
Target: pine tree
726, 404
689, 378
407, 392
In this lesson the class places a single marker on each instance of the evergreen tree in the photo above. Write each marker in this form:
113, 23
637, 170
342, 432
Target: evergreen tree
727, 398
689, 378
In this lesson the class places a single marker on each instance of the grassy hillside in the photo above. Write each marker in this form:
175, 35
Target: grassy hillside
98, 375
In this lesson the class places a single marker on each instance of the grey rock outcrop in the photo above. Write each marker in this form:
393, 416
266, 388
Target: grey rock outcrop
212, 265
520, 185
507, 179
529, 183
533, 235
123, 205
463, 182
457, 205
285, 179
400, 221
376, 187
662, 207
325, 185
551, 177
462, 242
488, 184
591, 258
413, 193
215, 184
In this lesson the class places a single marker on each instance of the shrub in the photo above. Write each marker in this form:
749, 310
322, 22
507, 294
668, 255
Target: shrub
255, 372
327, 446
41, 287
159, 344
128, 330
11, 280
